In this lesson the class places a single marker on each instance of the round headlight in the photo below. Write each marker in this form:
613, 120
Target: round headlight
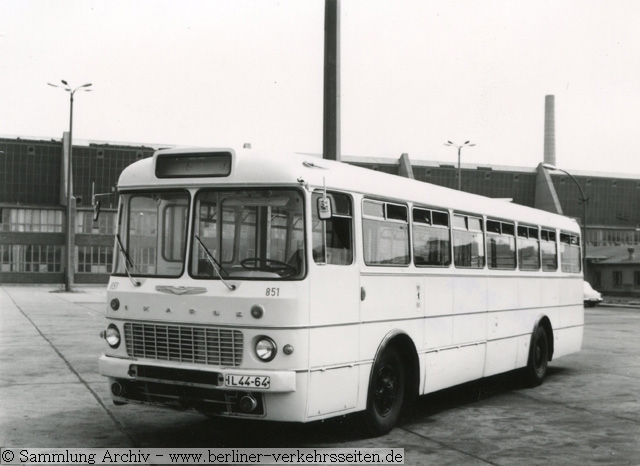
113, 336
266, 349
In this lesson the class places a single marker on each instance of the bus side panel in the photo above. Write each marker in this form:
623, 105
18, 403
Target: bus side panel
530, 292
391, 297
502, 293
571, 291
470, 309
289, 406
572, 296
334, 294
551, 291
438, 295
438, 332
332, 390
333, 345
453, 366
502, 356
567, 340
438, 303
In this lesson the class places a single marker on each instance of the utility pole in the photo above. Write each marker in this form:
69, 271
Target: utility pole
331, 119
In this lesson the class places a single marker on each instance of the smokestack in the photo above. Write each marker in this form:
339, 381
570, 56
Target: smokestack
549, 130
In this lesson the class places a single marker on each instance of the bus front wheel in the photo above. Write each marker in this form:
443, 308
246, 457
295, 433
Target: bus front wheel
386, 393
536, 368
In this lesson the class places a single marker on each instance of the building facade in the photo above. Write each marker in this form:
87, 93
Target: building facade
33, 207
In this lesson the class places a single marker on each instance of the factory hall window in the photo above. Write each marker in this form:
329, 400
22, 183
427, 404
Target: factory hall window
34, 258
31, 220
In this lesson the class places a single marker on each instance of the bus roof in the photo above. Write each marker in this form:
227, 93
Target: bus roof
251, 167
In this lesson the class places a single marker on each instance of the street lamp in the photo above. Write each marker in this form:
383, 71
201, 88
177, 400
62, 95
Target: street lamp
466, 144
584, 201
70, 226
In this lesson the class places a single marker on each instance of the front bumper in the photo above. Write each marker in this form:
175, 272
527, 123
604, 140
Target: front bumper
191, 374
192, 387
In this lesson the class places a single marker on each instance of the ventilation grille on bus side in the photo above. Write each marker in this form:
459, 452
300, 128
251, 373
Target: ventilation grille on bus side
221, 347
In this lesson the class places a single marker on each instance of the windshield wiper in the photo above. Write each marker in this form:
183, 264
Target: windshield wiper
125, 256
216, 266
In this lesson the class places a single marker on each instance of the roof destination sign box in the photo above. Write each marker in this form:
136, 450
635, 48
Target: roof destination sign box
206, 164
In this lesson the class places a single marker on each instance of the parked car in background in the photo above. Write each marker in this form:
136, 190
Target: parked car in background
591, 297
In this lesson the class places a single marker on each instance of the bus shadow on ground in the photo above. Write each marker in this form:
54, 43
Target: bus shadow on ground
243, 433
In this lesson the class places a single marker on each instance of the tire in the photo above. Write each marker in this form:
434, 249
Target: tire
386, 395
536, 368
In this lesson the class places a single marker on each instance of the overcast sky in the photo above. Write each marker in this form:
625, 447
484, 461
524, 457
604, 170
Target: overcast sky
414, 75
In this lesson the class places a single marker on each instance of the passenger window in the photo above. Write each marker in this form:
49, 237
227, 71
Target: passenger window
528, 248
333, 238
501, 245
431, 239
570, 256
548, 250
385, 228
468, 243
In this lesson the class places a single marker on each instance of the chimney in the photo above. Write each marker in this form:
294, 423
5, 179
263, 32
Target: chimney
631, 252
549, 130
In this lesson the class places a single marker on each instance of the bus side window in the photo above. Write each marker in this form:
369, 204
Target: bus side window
528, 248
385, 230
548, 250
431, 242
501, 245
333, 238
570, 259
468, 244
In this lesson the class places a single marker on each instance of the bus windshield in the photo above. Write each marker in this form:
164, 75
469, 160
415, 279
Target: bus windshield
152, 234
249, 233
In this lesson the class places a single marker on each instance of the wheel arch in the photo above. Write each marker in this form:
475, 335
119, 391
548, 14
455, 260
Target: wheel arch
403, 343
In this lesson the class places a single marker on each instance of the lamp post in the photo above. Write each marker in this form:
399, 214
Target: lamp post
584, 201
466, 144
70, 227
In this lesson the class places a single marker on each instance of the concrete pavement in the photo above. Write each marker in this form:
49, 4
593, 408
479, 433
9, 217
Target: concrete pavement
48, 369
586, 412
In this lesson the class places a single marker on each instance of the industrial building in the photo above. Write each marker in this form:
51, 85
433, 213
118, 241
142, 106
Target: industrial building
33, 207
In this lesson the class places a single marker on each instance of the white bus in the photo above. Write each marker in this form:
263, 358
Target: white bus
298, 289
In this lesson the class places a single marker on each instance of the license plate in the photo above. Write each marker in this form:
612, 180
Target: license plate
248, 381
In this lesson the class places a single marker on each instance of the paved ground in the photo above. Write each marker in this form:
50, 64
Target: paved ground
587, 411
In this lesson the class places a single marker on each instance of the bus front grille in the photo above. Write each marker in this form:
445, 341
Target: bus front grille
200, 345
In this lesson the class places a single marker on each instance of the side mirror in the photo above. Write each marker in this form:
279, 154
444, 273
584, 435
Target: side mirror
96, 210
324, 208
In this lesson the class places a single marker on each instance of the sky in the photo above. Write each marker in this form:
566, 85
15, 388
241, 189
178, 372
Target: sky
414, 74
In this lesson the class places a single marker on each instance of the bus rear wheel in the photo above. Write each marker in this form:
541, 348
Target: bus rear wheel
536, 368
386, 393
